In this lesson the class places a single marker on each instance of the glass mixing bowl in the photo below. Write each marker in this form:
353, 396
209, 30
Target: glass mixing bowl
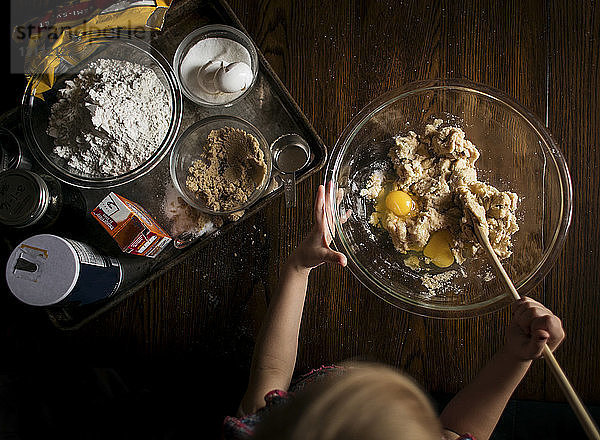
517, 154
65, 62
189, 147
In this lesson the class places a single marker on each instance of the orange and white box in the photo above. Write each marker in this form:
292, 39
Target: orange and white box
134, 230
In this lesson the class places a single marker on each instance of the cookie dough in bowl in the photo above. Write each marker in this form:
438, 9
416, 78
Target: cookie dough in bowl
423, 205
409, 163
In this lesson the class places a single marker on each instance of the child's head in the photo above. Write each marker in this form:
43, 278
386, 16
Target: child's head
368, 401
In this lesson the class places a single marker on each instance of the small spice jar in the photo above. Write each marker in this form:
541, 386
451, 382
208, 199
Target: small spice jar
12, 153
28, 199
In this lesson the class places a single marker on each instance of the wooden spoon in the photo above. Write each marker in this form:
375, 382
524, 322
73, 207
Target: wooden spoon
482, 233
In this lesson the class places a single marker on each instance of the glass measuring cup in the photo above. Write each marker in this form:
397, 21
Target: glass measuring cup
291, 154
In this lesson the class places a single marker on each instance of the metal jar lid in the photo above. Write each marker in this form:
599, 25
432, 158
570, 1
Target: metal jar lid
42, 270
24, 198
12, 154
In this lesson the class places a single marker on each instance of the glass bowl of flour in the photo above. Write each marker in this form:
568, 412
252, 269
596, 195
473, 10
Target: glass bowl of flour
102, 110
217, 65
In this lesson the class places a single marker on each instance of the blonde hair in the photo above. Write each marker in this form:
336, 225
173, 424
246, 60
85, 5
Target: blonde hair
367, 402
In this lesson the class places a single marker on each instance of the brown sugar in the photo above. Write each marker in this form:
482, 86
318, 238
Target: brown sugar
228, 171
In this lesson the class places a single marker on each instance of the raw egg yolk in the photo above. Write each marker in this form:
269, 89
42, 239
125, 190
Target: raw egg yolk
438, 249
399, 203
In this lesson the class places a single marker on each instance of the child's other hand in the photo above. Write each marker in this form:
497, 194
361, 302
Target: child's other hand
314, 249
532, 326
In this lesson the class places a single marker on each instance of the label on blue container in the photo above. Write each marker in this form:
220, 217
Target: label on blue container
46, 270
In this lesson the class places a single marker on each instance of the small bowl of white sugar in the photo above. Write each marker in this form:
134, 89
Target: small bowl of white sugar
216, 65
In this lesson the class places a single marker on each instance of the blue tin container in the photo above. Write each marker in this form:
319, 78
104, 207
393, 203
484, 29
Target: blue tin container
46, 270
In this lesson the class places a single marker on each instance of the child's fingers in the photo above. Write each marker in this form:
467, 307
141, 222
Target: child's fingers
346, 216
519, 307
540, 335
335, 258
328, 209
541, 326
525, 316
549, 328
319, 206
330, 231
525, 308
536, 347
339, 195
525, 303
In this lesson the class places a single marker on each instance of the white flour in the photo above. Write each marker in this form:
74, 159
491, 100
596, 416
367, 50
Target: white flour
439, 283
110, 118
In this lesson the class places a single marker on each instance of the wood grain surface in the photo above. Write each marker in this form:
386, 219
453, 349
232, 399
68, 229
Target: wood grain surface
199, 320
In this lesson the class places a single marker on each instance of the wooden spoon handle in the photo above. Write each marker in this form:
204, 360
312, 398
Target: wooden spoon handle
507, 281
580, 411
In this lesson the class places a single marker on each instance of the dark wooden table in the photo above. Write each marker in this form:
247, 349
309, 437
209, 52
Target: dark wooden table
196, 324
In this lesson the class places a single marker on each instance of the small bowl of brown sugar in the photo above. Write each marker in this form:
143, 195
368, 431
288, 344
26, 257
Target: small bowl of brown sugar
221, 165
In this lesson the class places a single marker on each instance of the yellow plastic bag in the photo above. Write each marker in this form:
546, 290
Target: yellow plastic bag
76, 18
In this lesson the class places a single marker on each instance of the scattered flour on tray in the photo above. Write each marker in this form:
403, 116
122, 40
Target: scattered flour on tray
110, 118
187, 220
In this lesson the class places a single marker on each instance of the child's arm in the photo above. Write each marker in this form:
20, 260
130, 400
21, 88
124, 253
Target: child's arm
277, 343
477, 408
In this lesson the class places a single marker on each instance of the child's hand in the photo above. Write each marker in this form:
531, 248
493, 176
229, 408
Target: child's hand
314, 249
532, 326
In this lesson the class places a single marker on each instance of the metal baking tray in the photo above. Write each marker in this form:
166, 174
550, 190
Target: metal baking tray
268, 106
